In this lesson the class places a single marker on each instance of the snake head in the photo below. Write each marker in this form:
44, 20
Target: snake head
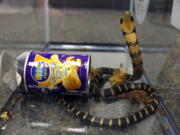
127, 22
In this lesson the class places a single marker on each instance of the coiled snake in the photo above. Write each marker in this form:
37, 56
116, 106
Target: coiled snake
128, 28
121, 83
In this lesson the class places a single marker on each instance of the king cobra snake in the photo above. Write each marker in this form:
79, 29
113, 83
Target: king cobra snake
126, 85
121, 83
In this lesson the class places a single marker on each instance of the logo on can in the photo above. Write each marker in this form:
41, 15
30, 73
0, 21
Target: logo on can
40, 71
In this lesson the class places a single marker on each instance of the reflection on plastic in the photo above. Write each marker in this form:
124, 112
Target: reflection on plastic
141, 8
40, 124
75, 130
82, 130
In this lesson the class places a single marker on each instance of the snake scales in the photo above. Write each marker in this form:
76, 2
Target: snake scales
125, 85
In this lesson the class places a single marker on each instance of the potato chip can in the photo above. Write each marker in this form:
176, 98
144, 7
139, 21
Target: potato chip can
56, 73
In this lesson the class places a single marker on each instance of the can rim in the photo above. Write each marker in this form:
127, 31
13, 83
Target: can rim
88, 75
25, 64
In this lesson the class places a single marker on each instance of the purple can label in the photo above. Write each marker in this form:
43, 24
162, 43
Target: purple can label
55, 72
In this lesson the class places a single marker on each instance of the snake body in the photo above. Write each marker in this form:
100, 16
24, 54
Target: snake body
128, 28
120, 122
127, 25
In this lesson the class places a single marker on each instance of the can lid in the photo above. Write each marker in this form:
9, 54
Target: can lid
20, 65
88, 74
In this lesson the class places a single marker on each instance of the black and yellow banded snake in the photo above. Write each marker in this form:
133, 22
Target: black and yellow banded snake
128, 28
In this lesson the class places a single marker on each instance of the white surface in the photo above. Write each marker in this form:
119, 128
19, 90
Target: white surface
141, 7
175, 18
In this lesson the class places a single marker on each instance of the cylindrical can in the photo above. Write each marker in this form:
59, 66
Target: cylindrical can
54, 72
